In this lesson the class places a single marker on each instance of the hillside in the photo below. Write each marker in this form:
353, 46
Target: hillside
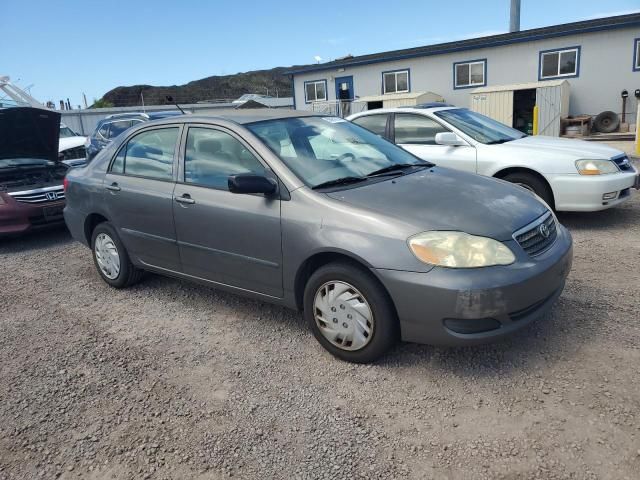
210, 88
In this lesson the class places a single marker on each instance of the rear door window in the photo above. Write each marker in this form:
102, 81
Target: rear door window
116, 128
374, 123
416, 129
149, 154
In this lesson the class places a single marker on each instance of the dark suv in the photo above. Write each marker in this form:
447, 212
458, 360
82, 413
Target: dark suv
113, 125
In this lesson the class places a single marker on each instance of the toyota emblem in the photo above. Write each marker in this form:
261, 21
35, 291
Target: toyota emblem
544, 230
51, 196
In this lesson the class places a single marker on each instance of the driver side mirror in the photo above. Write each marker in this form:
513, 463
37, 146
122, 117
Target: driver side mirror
449, 139
252, 183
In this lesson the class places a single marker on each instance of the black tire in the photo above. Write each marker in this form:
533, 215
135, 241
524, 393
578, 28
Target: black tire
606, 122
385, 325
128, 274
533, 183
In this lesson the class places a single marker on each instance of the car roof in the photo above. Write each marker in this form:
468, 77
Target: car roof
412, 109
247, 115
117, 116
164, 114
431, 105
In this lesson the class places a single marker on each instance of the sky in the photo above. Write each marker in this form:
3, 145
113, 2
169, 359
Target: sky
62, 49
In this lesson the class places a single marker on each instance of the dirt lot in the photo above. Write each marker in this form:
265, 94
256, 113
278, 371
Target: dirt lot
171, 380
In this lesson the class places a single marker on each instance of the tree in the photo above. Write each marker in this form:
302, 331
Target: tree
101, 103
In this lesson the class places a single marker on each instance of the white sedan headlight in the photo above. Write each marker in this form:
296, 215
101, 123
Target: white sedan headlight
596, 167
459, 250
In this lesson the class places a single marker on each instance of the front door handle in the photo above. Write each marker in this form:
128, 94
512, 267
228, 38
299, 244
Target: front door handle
186, 198
114, 187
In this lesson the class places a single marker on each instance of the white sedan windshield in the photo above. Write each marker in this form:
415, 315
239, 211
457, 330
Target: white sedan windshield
480, 128
326, 149
66, 132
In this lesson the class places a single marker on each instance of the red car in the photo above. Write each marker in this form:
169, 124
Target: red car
31, 175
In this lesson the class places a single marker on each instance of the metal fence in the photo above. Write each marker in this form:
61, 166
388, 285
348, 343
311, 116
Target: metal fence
339, 108
84, 121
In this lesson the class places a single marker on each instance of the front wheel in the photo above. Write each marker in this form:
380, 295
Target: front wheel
350, 313
111, 258
533, 184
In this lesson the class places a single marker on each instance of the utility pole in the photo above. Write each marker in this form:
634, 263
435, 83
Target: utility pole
514, 21
142, 100
84, 97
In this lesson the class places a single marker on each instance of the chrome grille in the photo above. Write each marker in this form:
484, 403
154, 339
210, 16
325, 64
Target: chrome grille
622, 162
39, 195
532, 238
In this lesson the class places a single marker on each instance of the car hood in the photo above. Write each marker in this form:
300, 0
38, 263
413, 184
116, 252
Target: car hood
563, 147
71, 142
27, 132
444, 199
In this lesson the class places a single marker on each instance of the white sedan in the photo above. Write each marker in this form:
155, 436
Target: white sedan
71, 149
570, 175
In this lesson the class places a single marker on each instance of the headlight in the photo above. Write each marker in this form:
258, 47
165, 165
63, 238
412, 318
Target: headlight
596, 167
459, 250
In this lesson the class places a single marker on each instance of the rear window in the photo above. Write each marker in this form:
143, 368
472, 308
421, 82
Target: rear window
374, 123
104, 131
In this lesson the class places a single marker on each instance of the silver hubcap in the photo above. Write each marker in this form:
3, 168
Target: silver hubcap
107, 256
343, 315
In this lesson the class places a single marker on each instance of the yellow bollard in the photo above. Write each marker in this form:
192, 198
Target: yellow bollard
535, 119
638, 129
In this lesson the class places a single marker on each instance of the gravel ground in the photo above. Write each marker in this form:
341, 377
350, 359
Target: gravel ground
172, 380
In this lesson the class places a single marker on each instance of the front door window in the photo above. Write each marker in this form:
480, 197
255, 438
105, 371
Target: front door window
212, 156
416, 129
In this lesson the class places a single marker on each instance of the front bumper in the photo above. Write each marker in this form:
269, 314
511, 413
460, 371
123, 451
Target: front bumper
17, 218
504, 299
583, 193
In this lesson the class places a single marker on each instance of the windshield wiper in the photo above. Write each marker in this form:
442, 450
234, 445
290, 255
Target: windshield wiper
339, 181
396, 168
502, 140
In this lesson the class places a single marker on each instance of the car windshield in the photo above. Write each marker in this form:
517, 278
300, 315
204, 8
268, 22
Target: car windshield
331, 151
480, 128
66, 132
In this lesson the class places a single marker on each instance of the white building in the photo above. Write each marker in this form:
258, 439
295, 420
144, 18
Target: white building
600, 58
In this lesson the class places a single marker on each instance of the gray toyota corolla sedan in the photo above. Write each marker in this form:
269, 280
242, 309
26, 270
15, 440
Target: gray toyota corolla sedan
319, 214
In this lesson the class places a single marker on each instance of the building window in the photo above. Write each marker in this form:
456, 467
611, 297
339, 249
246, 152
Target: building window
470, 74
636, 55
559, 63
315, 91
395, 82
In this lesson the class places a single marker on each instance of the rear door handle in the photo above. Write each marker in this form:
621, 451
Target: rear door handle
186, 198
114, 187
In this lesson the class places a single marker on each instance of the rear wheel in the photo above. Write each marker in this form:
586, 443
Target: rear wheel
111, 258
350, 313
533, 184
